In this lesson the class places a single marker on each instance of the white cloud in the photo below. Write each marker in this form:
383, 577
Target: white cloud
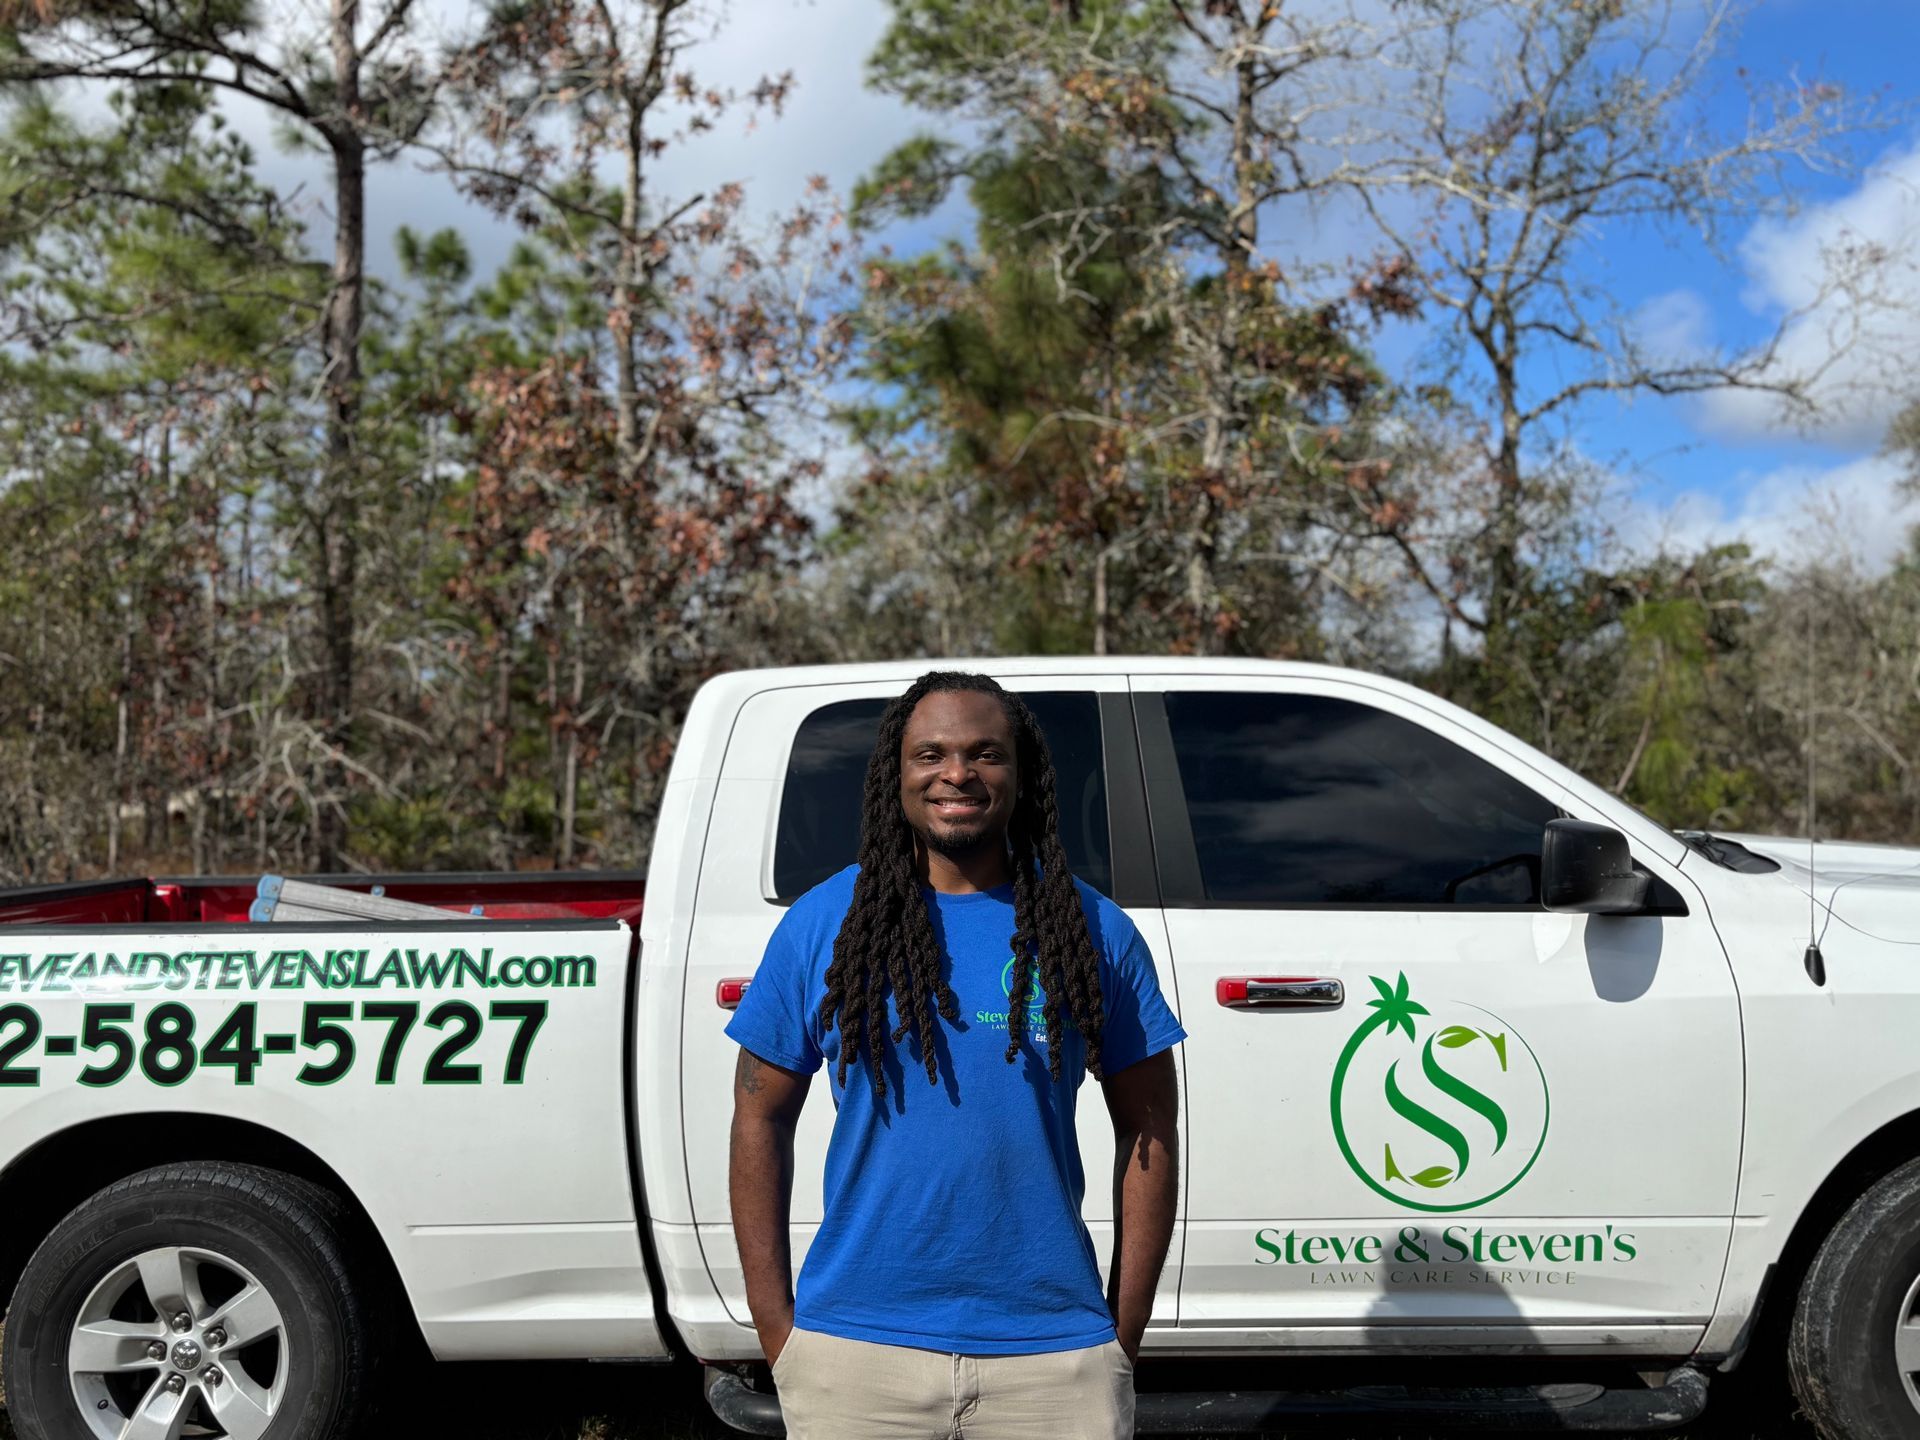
1673, 326
1860, 339
1794, 513
832, 125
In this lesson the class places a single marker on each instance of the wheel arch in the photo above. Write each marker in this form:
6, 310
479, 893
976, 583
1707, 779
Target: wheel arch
1872, 1160
44, 1183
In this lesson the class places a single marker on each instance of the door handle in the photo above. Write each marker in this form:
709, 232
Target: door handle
1279, 992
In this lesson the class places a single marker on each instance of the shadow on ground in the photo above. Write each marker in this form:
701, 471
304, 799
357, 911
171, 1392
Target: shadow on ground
644, 1402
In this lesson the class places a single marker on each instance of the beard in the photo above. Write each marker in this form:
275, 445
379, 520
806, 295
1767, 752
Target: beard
963, 844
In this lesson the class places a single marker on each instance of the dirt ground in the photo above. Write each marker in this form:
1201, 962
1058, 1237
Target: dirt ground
630, 1402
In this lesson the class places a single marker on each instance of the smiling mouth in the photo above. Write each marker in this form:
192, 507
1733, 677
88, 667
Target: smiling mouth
958, 806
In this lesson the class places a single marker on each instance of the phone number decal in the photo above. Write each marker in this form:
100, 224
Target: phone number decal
164, 1044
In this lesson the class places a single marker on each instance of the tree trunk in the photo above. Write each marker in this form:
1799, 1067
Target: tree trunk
1222, 421
158, 797
1503, 598
576, 697
555, 767
197, 830
206, 859
1100, 599
626, 298
119, 796
252, 684
338, 538
502, 710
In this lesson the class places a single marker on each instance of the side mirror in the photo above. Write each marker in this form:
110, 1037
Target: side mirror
1586, 869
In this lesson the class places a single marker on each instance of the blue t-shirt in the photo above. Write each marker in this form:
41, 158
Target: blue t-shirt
953, 1212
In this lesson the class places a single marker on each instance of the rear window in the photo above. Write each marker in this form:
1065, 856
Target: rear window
819, 829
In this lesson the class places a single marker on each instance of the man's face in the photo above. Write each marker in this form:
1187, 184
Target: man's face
958, 775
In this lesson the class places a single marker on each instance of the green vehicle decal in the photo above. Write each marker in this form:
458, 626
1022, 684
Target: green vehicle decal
1493, 1078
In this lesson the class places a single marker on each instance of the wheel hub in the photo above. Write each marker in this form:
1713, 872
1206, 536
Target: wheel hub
178, 1342
1906, 1343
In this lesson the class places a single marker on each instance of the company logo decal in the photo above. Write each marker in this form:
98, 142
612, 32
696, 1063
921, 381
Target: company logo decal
1438, 1107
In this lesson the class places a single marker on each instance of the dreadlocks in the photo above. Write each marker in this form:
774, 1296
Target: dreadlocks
886, 943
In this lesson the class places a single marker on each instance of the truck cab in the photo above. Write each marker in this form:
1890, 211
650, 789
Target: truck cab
1416, 1103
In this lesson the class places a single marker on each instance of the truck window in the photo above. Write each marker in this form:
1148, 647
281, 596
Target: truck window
819, 830
1302, 800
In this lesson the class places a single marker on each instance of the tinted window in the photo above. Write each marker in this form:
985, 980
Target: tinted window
819, 830
1300, 800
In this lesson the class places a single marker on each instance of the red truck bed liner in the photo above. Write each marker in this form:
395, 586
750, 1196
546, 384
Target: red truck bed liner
224, 899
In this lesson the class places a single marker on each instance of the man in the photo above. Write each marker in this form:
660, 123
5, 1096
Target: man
952, 1287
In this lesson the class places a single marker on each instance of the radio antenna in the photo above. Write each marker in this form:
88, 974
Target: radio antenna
1815, 962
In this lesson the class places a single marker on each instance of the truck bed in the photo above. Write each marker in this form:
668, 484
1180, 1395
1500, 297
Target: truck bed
190, 901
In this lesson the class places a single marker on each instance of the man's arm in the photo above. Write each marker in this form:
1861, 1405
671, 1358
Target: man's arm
1144, 1101
766, 1108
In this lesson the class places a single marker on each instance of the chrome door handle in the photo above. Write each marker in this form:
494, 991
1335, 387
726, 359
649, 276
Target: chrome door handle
1282, 992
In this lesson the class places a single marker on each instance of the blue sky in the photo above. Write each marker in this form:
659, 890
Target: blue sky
1718, 462
1688, 469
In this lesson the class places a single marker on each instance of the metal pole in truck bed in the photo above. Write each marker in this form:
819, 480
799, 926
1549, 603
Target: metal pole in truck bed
285, 901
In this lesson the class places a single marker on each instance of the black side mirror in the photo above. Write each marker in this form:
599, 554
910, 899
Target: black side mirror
1586, 869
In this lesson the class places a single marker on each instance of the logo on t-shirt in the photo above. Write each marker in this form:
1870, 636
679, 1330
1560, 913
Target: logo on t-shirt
1036, 1016
1006, 983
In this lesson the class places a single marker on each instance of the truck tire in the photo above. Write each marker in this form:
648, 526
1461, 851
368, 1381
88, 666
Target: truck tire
203, 1298
1853, 1352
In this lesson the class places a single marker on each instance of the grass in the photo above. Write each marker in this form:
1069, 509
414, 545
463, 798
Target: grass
641, 1402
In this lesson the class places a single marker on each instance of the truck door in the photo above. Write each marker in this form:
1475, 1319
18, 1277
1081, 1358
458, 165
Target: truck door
787, 815
1423, 1110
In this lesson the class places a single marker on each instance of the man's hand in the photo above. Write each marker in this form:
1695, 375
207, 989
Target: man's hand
772, 1350
1144, 1101
766, 1107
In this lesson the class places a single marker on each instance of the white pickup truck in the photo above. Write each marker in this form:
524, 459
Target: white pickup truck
1531, 1108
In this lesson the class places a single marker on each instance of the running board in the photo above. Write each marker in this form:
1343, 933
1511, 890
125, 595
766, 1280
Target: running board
1515, 1407
1238, 1412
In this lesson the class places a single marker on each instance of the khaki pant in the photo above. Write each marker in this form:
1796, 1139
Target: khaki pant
834, 1389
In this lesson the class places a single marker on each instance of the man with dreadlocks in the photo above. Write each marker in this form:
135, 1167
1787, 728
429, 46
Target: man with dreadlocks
952, 1287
